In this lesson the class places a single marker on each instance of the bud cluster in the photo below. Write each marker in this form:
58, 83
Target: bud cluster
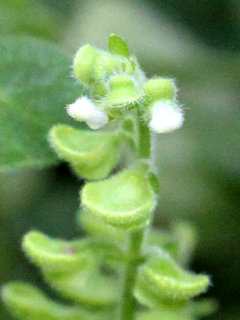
116, 83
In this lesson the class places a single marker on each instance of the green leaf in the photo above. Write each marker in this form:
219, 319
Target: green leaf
118, 46
29, 303
92, 154
124, 201
35, 86
58, 256
93, 290
28, 17
161, 282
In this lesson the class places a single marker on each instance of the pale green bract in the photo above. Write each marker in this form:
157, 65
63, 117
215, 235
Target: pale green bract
92, 155
161, 282
124, 201
29, 303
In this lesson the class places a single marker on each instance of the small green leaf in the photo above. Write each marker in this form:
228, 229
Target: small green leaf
94, 290
123, 91
35, 86
124, 201
118, 46
91, 154
58, 256
29, 303
162, 282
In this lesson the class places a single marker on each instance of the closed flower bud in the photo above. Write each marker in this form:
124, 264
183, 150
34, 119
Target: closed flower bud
123, 91
165, 117
83, 109
160, 88
83, 65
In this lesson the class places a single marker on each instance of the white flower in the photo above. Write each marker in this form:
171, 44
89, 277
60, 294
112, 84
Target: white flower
166, 117
83, 109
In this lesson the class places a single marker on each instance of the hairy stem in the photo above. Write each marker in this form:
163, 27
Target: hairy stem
128, 302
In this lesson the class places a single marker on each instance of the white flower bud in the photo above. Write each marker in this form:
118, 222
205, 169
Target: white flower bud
83, 109
98, 120
166, 117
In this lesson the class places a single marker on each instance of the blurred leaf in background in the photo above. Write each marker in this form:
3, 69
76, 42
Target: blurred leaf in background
198, 44
26, 17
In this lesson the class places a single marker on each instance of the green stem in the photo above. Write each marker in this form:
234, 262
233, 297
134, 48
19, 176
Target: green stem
128, 302
144, 140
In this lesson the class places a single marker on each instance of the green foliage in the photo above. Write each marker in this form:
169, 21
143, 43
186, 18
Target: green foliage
34, 88
26, 17
115, 210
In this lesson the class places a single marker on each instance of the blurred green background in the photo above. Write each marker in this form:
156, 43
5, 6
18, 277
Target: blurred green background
198, 44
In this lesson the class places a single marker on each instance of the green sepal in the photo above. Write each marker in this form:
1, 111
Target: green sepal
100, 230
118, 46
91, 290
203, 307
163, 315
91, 154
99, 89
29, 303
124, 201
123, 92
161, 239
59, 256
186, 235
83, 64
105, 65
159, 89
162, 283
